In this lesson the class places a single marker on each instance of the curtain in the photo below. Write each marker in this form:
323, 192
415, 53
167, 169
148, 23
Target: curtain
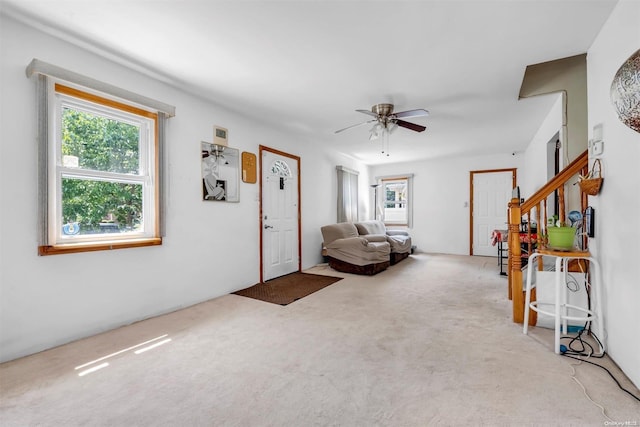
42, 88
347, 194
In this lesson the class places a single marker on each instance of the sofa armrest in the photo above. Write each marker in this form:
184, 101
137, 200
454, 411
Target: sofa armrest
348, 242
375, 237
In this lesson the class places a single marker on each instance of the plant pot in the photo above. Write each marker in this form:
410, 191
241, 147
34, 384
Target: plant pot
561, 237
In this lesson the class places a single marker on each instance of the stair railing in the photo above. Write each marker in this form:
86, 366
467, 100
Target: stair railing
535, 207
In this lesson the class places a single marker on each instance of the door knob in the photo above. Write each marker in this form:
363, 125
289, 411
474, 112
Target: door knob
268, 226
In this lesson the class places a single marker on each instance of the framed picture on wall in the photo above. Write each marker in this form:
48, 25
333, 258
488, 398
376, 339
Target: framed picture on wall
220, 173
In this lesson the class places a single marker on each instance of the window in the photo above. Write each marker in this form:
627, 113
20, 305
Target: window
102, 170
99, 163
396, 198
280, 168
102, 174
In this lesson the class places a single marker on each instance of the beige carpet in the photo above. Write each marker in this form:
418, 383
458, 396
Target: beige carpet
427, 342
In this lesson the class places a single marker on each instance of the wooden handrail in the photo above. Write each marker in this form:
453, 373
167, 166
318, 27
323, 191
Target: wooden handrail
556, 182
537, 201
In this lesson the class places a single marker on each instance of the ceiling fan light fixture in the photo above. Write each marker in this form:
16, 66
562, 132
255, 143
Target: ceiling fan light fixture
374, 132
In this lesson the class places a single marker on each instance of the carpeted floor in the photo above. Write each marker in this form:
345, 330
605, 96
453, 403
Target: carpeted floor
428, 342
287, 289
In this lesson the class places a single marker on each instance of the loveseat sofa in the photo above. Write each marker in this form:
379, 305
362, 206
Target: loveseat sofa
365, 247
349, 252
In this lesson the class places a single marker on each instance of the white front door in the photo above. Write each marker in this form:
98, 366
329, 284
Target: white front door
279, 221
491, 196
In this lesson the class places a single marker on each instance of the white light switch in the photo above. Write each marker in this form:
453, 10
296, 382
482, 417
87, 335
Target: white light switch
596, 144
597, 147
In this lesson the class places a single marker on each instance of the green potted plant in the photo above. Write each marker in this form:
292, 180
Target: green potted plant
559, 235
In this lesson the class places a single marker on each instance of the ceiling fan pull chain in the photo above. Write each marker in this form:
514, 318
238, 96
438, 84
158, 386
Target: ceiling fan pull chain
387, 138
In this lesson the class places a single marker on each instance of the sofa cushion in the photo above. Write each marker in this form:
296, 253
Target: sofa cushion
371, 227
397, 233
342, 230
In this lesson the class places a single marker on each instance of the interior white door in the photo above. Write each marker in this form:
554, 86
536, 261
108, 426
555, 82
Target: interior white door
280, 248
491, 195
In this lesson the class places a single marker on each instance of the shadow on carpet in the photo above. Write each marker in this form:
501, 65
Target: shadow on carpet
287, 289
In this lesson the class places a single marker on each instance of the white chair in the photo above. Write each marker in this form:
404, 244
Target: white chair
560, 307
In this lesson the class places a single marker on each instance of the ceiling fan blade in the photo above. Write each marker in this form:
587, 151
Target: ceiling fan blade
353, 126
412, 126
371, 113
412, 113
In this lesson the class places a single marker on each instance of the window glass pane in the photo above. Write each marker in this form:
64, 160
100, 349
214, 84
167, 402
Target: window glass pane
395, 203
95, 142
280, 168
95, 207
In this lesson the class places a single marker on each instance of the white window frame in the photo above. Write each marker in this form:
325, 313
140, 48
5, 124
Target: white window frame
382, 181
61, 97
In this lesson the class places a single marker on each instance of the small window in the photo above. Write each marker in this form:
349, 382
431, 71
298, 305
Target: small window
102, 164
280, 168
395, 203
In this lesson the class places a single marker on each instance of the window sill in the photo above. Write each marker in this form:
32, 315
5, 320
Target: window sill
99, 246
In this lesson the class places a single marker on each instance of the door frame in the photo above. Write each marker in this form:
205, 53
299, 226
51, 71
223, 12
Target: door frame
514, 180
262, 148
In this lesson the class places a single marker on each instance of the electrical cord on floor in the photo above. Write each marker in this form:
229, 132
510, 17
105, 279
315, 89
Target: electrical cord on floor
584, 390
608, 372
570, 350
574, 353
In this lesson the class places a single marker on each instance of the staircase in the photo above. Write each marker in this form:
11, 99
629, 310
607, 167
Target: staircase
535, 209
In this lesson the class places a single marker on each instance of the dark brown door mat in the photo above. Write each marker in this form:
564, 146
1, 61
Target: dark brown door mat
287, 289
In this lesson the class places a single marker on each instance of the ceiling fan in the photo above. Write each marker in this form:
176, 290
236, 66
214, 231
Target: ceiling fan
386, 120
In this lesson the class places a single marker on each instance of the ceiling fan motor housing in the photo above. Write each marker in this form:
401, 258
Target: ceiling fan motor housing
382, 109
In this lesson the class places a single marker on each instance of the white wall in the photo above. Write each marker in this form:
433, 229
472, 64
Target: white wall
210, 249
534, 173
569, 76
618, 204
441, 196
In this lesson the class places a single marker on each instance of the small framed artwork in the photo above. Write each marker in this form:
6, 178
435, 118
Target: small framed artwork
220, 173
249, 167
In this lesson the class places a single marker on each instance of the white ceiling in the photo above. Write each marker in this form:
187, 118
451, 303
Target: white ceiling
307, 65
